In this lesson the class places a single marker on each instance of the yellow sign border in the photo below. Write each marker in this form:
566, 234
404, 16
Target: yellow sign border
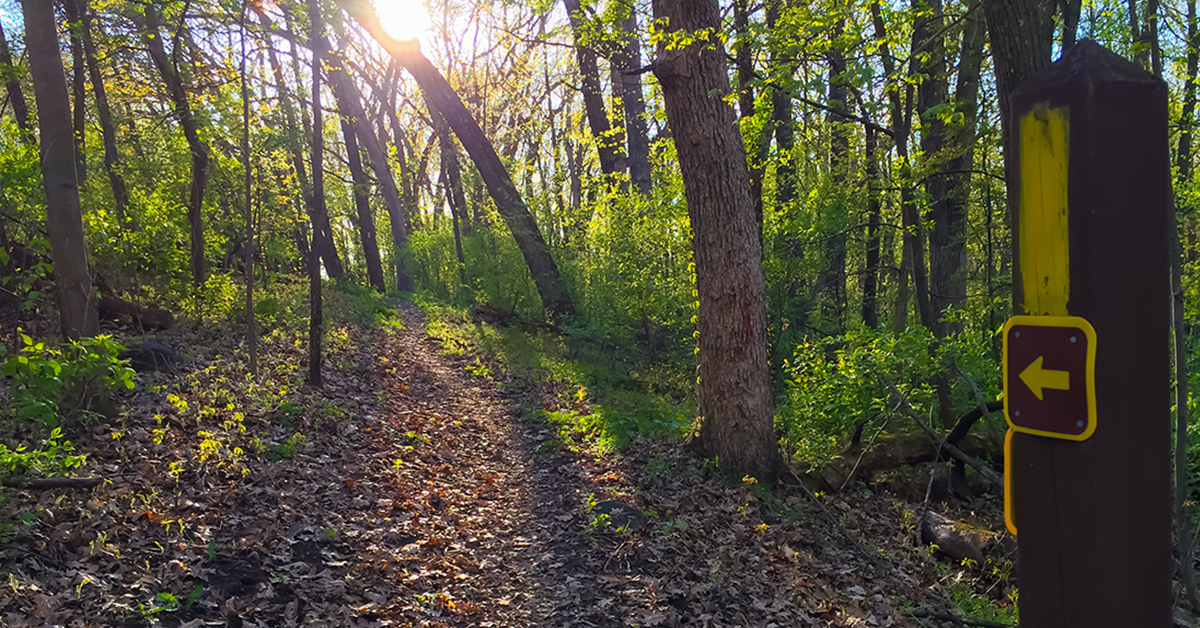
1075, 322
1010, 519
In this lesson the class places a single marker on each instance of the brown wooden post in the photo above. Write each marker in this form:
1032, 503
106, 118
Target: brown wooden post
1092, 507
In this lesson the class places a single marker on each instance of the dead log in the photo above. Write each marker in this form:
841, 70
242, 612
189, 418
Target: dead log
940, 443
45, 484
897, 450
122, 311
957, 540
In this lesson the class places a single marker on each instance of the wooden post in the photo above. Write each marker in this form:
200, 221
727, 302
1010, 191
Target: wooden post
1090, 241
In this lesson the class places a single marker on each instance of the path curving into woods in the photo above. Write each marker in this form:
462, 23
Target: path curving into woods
436, 503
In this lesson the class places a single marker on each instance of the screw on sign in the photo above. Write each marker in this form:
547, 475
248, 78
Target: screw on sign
1049, 374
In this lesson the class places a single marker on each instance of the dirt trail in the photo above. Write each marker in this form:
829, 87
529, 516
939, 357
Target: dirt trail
434, 503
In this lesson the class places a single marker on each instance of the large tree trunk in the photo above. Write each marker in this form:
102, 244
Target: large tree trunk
734, 390
191, 130
13, 85
64, 219
362, 202
627, 60
317, 205
608, 140
508, 201
78, 81
112, 158
350, 103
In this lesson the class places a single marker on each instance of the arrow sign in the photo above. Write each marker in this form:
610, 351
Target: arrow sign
1068, 344
1037, 378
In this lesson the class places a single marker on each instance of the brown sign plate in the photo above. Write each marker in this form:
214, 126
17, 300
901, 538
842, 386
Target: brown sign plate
1049, 374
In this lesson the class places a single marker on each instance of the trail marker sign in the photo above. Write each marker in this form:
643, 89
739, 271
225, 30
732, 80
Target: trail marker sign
1049, 376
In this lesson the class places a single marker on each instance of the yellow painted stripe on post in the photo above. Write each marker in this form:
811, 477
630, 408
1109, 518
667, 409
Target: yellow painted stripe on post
1045, 260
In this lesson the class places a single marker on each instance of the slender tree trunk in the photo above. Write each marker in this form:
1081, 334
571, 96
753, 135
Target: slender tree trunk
251, 327
509, 203
64, 219
317, 206
608, 140
947, 255
744, 59
833, 277
13, 85
914, 237
870, 283
626, 62
350, 103
453, 181
734, 391
112, 158
78, 92
362, 202
1187, 118
781, 123
191, 130
1150, 34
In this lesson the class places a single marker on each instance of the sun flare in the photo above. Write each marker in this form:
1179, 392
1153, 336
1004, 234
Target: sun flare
404, 20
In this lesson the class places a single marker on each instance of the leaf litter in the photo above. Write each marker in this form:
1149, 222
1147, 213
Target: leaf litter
411, 491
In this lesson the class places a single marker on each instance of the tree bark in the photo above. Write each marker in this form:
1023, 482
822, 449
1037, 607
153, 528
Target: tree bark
191, 130
509, 203
833, 277
947, 282
453, 182
736, 422
64, 218
112, 158
13, 85
78, 93
608, 140
350, 103
362, 203
317, 205
627, 60
1187, 118
870, 283
948, 241
251, 327
744, 59
781, 123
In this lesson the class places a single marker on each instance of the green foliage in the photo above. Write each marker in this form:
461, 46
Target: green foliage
44, 378
837, 382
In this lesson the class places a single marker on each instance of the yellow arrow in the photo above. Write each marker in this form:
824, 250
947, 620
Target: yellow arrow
1037, 378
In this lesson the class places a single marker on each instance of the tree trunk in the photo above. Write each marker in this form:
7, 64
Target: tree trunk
947, 281
251, 327
453, 181
627, 61
948, 241
734, 392
744, 58
112, 158
1187, 118
781, 123
350, 103
870, 282
362, 202
78, 81
64, 219
317, 205
13, 85
191, 130
608, 142
508, 201
833, 277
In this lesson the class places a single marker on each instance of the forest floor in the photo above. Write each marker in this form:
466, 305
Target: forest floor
423, 490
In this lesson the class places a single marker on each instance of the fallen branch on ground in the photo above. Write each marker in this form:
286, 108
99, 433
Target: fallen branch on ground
45, 484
